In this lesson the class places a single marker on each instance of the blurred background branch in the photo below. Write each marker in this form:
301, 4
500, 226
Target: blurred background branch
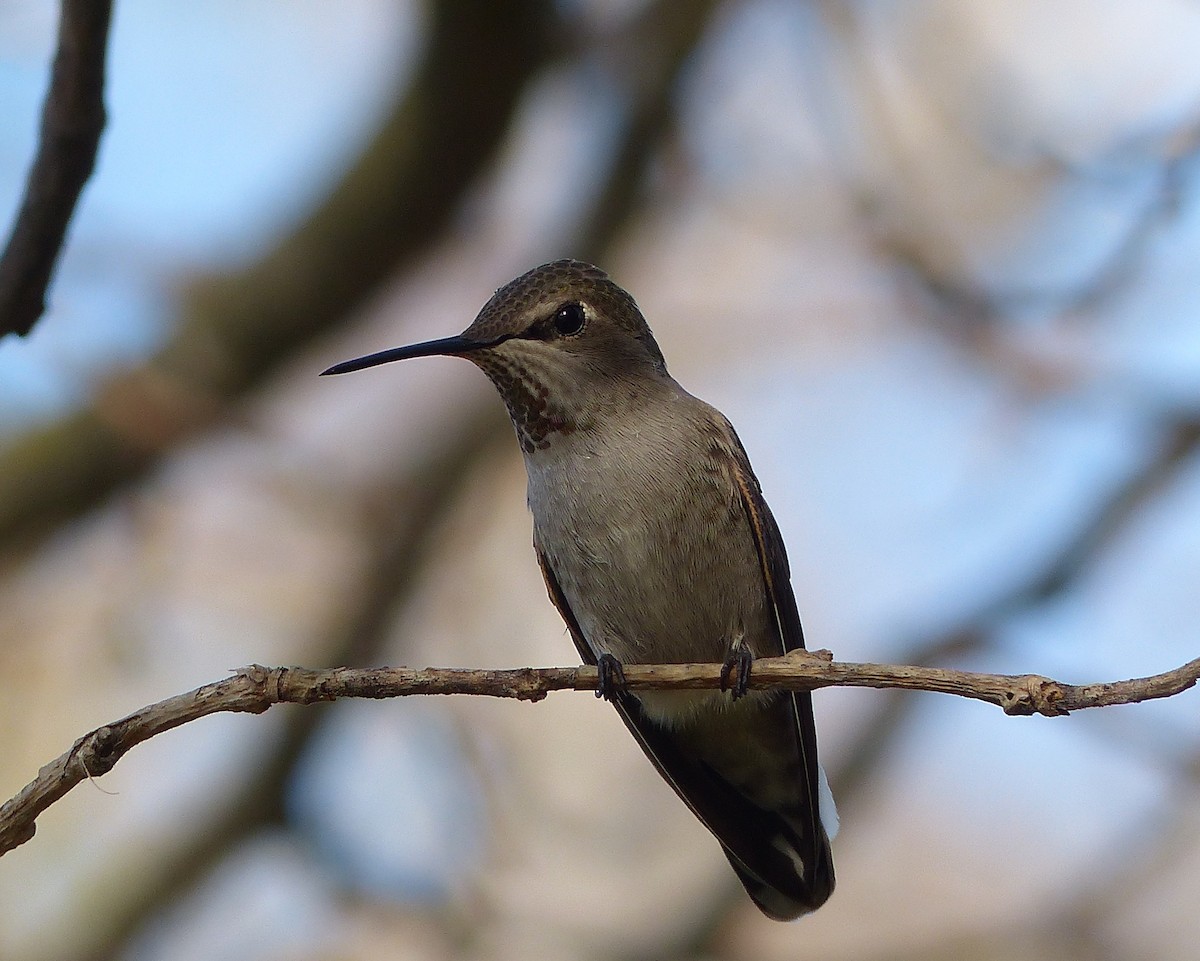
72, 122
447, 122
947, 301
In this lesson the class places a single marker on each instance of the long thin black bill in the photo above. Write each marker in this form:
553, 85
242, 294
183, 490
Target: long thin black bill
449, 346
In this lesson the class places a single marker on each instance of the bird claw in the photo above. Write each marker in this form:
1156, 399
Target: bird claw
610, 679
735, 672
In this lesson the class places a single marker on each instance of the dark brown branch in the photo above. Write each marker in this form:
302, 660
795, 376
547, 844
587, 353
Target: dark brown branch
446, 127
72, 121
255, 689
441, 135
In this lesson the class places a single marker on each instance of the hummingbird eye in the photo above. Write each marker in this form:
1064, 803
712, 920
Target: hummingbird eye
569, 319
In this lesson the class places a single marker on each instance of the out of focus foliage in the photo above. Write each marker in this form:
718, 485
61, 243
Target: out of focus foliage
934, 258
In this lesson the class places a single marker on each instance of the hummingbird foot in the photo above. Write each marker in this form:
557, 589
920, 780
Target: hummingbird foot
611, 679
735, 672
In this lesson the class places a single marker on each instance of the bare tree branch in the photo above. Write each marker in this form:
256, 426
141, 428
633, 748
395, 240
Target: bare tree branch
446, 126
255, 689
1095, 533
398, 540
72, 121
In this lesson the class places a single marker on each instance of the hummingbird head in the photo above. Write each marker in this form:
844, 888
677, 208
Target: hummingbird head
555, 342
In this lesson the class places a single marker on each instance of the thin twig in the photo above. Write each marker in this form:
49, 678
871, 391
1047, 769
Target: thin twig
72, 121
254, 689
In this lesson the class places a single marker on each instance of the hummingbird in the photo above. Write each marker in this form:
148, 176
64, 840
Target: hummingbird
656, 546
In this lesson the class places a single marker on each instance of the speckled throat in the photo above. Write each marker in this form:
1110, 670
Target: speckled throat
535, 414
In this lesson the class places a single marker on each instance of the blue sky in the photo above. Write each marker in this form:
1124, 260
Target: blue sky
225, 121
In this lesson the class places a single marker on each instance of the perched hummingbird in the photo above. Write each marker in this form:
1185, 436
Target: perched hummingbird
657, 547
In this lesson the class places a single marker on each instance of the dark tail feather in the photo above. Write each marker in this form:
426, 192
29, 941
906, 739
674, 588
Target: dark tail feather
776, 885
780, 851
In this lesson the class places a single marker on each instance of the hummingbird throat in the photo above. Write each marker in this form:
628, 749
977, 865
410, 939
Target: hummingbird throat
536, 417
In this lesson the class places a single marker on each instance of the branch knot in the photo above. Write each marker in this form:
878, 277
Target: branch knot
99, 751
1033, 694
